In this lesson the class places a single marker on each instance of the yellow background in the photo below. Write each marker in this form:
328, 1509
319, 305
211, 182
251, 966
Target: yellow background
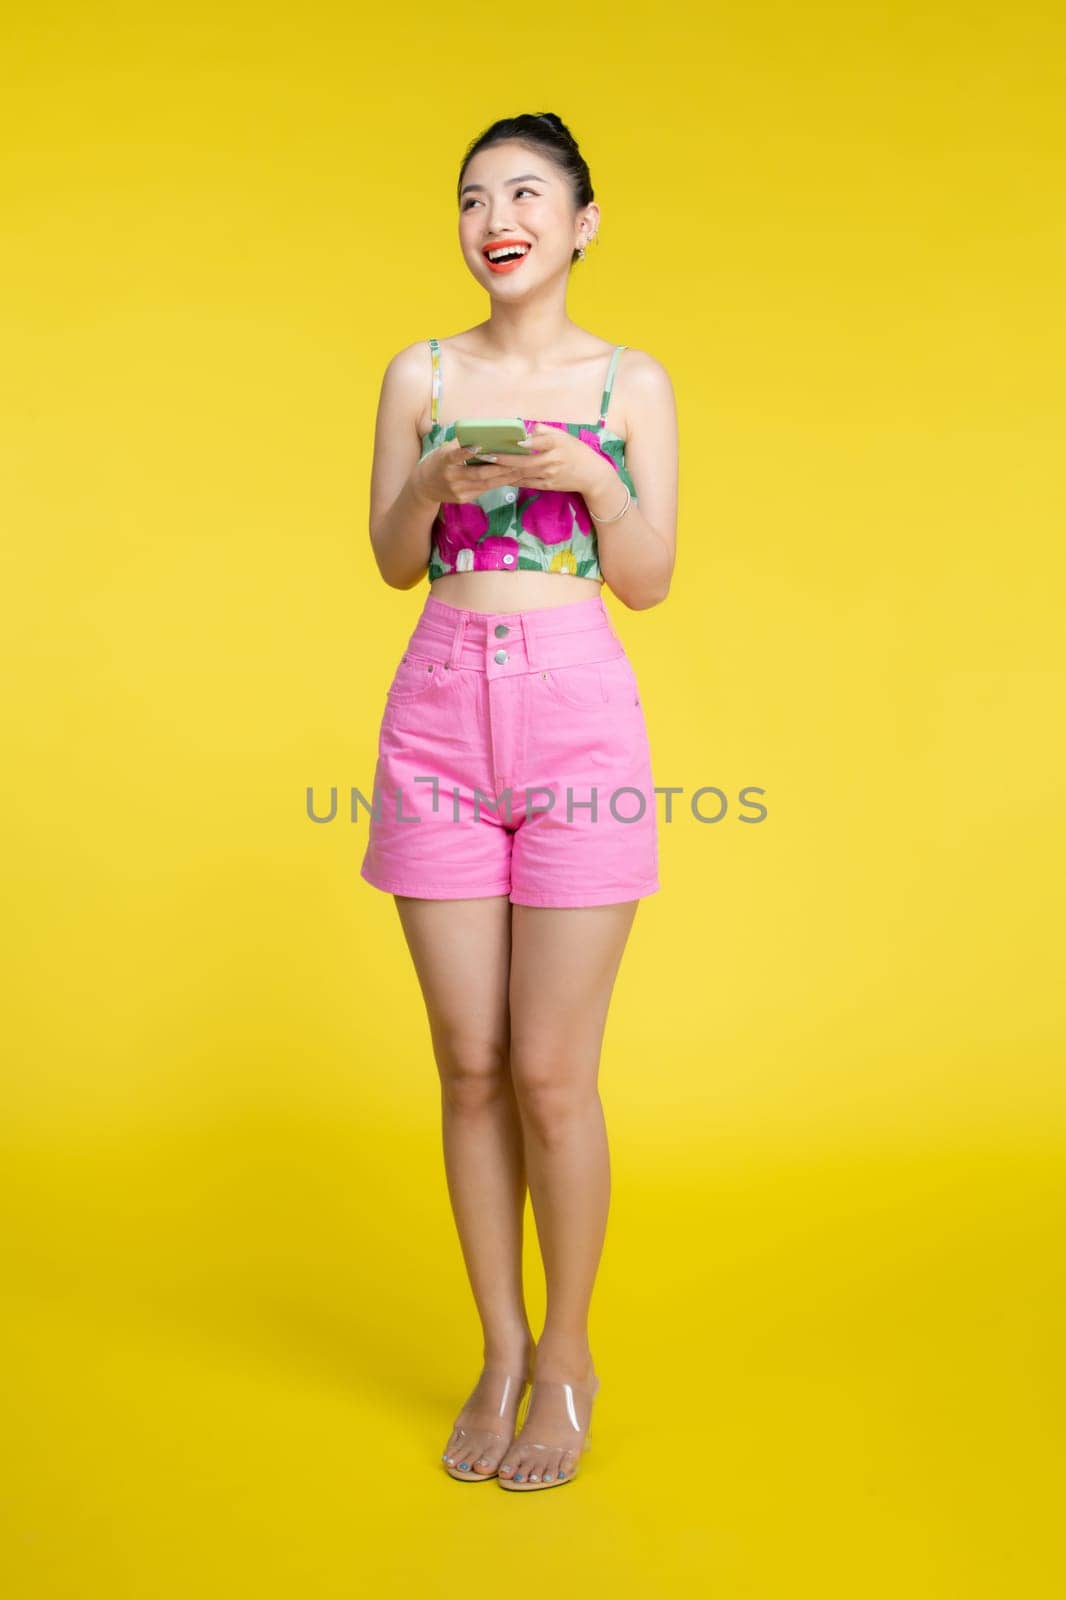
829, 1316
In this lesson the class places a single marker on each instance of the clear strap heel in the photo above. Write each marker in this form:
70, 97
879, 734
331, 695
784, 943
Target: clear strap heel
498, 1393
573, 1402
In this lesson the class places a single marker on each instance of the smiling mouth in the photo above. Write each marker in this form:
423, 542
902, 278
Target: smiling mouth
505, 257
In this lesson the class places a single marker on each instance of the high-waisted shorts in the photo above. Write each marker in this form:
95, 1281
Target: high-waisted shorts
513, 759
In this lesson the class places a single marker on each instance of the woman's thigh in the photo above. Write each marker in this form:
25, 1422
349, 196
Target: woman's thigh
563, 966
461, 951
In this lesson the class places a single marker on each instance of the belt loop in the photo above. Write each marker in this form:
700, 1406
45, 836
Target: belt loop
529, 635
457, 640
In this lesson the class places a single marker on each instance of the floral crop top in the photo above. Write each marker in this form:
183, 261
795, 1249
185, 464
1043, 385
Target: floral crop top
514, 529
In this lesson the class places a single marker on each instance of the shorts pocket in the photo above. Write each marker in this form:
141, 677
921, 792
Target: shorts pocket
579, 686
620, 687
414, 676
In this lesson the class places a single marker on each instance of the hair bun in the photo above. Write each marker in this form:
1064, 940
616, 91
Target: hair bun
555, 122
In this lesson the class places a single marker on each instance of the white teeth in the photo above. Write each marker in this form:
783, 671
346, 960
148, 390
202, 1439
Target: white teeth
507, 250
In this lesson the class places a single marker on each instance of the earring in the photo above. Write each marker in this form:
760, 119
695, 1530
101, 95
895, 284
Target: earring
581, 247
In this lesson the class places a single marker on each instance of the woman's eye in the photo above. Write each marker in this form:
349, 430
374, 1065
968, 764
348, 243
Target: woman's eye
533, 192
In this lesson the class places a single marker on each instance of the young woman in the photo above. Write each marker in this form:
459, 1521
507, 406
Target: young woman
514, 813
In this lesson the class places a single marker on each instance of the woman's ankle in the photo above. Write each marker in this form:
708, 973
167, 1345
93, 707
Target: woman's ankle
567, 1353
508, 1350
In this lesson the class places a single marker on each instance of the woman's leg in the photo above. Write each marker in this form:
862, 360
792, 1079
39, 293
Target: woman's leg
461, 951
563, 968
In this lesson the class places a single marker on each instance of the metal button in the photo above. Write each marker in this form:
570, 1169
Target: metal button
501, 630
507, 560
500, 656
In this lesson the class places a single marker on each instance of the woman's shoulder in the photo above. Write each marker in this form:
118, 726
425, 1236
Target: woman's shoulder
643, 388
642, 364
411, 369
406, 386
643, 381
412, 358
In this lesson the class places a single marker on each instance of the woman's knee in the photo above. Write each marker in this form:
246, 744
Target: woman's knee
552, 1091
473, 1071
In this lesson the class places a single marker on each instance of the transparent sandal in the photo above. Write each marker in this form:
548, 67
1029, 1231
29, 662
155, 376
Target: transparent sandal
575, 1401
496, 1393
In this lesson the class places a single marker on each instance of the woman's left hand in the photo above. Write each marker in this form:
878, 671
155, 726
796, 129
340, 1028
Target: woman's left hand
562, 461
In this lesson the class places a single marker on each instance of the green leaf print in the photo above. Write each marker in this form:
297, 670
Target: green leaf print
500, 521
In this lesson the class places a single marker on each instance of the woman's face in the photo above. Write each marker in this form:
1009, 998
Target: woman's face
513, 193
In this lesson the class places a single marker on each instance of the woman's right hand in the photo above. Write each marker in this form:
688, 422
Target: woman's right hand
442, 474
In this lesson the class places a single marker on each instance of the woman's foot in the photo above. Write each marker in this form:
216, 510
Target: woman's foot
556, 1424
485, 1426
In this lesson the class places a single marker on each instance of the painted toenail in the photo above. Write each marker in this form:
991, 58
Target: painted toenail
464, 1467
518, 1477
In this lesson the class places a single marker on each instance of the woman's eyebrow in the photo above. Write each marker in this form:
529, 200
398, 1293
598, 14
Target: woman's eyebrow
522, 176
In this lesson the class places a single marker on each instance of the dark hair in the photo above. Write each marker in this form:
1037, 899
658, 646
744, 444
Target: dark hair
550, 134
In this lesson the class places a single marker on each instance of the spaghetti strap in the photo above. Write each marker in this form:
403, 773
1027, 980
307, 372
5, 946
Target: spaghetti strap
434, 410
605, 403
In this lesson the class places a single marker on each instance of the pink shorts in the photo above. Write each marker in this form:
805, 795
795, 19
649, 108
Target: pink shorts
513, 759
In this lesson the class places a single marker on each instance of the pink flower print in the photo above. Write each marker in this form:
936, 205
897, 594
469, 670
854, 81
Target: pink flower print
529, 423
551, 515
548, 514
460, 526
591, 437
498, 554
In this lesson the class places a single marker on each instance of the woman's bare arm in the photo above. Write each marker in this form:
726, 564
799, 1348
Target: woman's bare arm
401, 516
637, 554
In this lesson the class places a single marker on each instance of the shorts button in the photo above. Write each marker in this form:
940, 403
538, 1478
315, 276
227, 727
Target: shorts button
500, 656
509, 496
501, 630
507, 560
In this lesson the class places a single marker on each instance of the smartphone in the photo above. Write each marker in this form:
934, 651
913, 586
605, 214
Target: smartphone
505, 436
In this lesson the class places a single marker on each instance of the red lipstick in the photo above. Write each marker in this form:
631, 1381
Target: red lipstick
512, 262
